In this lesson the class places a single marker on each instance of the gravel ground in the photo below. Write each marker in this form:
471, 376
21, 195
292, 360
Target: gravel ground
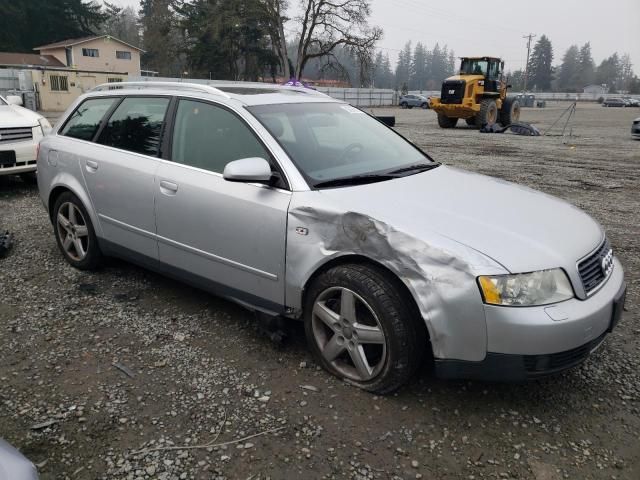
123, 374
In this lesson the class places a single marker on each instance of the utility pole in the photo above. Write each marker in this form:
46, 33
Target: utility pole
531, 36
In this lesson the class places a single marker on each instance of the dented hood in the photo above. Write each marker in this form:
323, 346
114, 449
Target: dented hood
520, 228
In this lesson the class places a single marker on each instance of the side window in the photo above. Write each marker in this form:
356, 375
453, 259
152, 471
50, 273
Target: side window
136, 125
84, 122
209, 137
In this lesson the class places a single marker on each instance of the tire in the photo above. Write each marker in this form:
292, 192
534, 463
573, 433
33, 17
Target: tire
403, 105
83, 252
30, 178
409, 107
425, 106
488, 114
446, 122
395, 341
471, 121
510, 112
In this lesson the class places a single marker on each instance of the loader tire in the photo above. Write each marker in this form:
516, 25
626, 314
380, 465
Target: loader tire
446, 122
510, 112
488, 114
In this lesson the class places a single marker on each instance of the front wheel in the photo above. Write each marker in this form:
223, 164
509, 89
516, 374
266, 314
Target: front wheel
74, 233
510, 112
403, 105
446, 122
488, 114
360, 328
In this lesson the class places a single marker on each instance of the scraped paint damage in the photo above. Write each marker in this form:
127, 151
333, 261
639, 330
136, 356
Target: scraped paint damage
442, 282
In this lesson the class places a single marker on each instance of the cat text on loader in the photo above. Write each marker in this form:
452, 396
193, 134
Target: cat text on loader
478, 94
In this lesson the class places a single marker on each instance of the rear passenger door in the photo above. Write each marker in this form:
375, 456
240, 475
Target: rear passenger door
227, 236
119, 172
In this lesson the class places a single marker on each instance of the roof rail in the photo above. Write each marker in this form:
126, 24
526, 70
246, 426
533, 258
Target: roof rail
197, 87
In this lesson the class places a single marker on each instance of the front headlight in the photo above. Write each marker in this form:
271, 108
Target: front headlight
526, 289
44, 125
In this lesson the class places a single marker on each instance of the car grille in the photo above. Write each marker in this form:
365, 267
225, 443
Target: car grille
540, 365
15, 134
452, 91
590, 269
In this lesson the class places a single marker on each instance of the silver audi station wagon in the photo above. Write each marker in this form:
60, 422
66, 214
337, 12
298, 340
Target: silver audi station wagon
298, 205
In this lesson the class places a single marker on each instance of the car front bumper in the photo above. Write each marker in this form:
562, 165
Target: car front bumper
25, 157
532, 342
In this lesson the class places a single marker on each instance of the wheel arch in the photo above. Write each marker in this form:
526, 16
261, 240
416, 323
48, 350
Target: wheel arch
62, 187
358, 259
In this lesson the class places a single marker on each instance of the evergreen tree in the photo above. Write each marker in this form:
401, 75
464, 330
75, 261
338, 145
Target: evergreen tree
418, 79
586, 65
569, 73
540, 65
121, 23
28, 24
403, 67
610, 73
160, 38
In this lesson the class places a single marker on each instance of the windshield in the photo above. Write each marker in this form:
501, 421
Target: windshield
328, 141
474, 67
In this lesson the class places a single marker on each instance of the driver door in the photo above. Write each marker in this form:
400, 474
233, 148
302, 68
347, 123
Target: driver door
227, 236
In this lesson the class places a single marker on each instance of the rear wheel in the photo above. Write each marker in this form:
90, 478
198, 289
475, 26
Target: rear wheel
510, 112
74, 233
488, 114
403, 105
446, 122
361, 328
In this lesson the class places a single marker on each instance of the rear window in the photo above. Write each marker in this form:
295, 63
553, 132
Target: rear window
84, 122
136, 125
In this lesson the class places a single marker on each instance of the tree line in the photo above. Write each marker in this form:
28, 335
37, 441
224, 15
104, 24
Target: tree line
255, 40
576, 70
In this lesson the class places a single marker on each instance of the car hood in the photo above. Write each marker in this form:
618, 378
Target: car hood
15, 116
520, 228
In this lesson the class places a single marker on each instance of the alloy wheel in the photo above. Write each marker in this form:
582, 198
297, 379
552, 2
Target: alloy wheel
348, 334
73, 231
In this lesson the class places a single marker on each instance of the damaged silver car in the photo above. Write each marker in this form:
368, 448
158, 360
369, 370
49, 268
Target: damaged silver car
298, 205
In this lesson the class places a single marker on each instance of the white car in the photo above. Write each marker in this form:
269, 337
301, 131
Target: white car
20, 132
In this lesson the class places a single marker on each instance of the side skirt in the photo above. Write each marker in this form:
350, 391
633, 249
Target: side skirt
244, 299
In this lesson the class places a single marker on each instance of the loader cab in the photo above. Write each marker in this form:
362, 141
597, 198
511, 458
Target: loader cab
490, 68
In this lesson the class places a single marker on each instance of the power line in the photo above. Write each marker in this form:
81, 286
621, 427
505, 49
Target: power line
531, 36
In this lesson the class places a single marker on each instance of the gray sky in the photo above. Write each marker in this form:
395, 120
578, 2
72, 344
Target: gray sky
468, 27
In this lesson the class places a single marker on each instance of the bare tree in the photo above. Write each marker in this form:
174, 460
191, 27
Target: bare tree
327, 24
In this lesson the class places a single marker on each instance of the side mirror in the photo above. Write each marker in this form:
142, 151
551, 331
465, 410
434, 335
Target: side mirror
14, 100
248, 170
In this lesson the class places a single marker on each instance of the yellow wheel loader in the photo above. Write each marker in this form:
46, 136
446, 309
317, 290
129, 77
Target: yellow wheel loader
478, 94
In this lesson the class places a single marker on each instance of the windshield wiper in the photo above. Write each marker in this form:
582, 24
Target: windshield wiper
417, 168
355, 180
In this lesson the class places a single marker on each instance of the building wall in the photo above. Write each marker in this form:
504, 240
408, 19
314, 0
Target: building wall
78, 82
106, 62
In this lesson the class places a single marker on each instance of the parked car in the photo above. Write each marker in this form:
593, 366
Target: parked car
614, 102
635, 128
631, 102
297, 205
20, 132
14, 466
410, 101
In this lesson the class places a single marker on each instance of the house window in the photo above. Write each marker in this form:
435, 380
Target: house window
122, 55
58, 83
69, 56
90, 52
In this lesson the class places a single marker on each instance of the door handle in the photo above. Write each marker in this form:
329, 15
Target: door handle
92, 166
168, 188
